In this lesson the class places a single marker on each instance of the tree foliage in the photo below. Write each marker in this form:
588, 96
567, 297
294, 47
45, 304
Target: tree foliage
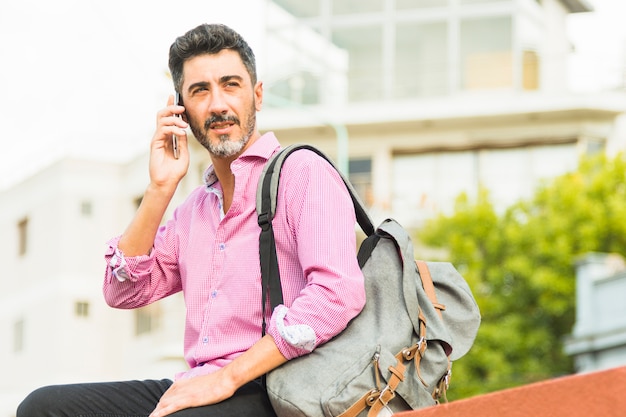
521, 267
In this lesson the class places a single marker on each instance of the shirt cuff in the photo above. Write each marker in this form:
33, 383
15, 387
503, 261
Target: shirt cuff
299, 336
119, 266
126, 268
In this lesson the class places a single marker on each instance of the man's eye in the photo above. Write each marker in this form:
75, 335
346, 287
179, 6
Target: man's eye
199, 90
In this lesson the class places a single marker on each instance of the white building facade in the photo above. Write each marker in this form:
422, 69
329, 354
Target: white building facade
418, 100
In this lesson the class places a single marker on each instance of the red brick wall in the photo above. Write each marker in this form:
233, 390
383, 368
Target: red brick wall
596, 394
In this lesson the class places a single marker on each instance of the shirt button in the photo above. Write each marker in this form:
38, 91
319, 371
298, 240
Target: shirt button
213, 293
205, 340
222, 246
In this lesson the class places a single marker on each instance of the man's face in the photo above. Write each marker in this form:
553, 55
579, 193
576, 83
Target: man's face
221, 102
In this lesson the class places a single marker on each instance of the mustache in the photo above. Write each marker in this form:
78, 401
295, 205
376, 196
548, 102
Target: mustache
220, 118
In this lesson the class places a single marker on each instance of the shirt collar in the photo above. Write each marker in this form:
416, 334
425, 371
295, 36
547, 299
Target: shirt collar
264, 147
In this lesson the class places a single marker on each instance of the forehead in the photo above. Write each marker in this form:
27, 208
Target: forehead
209, 67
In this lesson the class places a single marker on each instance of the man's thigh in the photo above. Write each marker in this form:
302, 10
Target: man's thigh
249, 401
135, 398
111, 399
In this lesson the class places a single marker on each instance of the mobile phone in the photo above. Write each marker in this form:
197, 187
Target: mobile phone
178, 101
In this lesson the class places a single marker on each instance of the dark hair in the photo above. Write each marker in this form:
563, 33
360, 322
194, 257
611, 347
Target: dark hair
208, 39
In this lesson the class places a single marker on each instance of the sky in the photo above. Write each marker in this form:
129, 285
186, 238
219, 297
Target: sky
599, 39
86, 78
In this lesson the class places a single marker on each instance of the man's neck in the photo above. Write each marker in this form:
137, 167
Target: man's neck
221, 166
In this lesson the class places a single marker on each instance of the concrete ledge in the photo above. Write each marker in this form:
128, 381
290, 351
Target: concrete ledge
601, 393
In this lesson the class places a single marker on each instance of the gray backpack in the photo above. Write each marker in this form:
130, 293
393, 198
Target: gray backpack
396, 355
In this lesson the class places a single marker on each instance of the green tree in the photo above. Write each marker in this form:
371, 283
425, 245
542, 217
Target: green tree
521, 267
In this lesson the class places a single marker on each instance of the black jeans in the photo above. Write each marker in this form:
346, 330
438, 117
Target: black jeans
135, 399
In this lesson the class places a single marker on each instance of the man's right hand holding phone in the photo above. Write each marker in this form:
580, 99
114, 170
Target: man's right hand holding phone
169, 156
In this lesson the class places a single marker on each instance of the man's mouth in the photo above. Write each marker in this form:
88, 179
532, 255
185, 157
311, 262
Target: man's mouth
221, 123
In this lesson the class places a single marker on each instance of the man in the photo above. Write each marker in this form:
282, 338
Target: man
209, 249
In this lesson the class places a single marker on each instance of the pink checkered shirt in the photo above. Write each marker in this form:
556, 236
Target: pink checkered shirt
214, 259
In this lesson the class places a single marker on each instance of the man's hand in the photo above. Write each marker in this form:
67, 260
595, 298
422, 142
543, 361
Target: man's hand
165, 170
194, 392
261, 358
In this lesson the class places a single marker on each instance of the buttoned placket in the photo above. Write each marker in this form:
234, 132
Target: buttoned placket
217, 264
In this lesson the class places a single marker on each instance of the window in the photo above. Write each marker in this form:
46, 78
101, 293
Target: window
421, 67
486, 53
86, 208
22, 234
592, 146
299, 8
18, 336
477, 1
81, 309
530, 70
300, 88
429, 183
147, 319
421, 4
364, 46
357, 6
360, 174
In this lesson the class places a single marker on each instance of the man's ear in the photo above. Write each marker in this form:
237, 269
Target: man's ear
258, 96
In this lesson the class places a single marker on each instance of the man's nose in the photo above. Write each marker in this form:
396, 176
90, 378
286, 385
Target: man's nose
218, 105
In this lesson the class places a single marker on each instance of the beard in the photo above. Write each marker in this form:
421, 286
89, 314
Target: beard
225, 146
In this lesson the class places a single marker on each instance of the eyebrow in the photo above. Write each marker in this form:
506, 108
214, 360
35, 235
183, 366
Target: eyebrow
223, 79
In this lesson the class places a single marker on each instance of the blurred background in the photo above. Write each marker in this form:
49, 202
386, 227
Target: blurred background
492, 129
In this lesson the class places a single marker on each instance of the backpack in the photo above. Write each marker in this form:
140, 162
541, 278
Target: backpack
396, 354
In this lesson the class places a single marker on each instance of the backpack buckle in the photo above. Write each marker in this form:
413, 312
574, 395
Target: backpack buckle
386, 395
264, 220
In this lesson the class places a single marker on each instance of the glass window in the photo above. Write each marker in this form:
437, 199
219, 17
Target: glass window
419, 4
505, 173
478, 1
298, 58
298, 8
86, 208
530, 70
357, 6
421, 67
360, 175
513, 174
81, 308
365, 63
147, 319
300, 88
22, 235
425, 184
486, 53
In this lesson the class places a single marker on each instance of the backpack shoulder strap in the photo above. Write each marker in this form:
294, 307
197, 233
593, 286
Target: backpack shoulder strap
267, 191
267, 188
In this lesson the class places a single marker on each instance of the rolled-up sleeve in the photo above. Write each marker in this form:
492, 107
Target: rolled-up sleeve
118, 266
136, 281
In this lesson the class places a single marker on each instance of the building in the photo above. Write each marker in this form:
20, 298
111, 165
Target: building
416, 100
437, 97
55, 326
598, 340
